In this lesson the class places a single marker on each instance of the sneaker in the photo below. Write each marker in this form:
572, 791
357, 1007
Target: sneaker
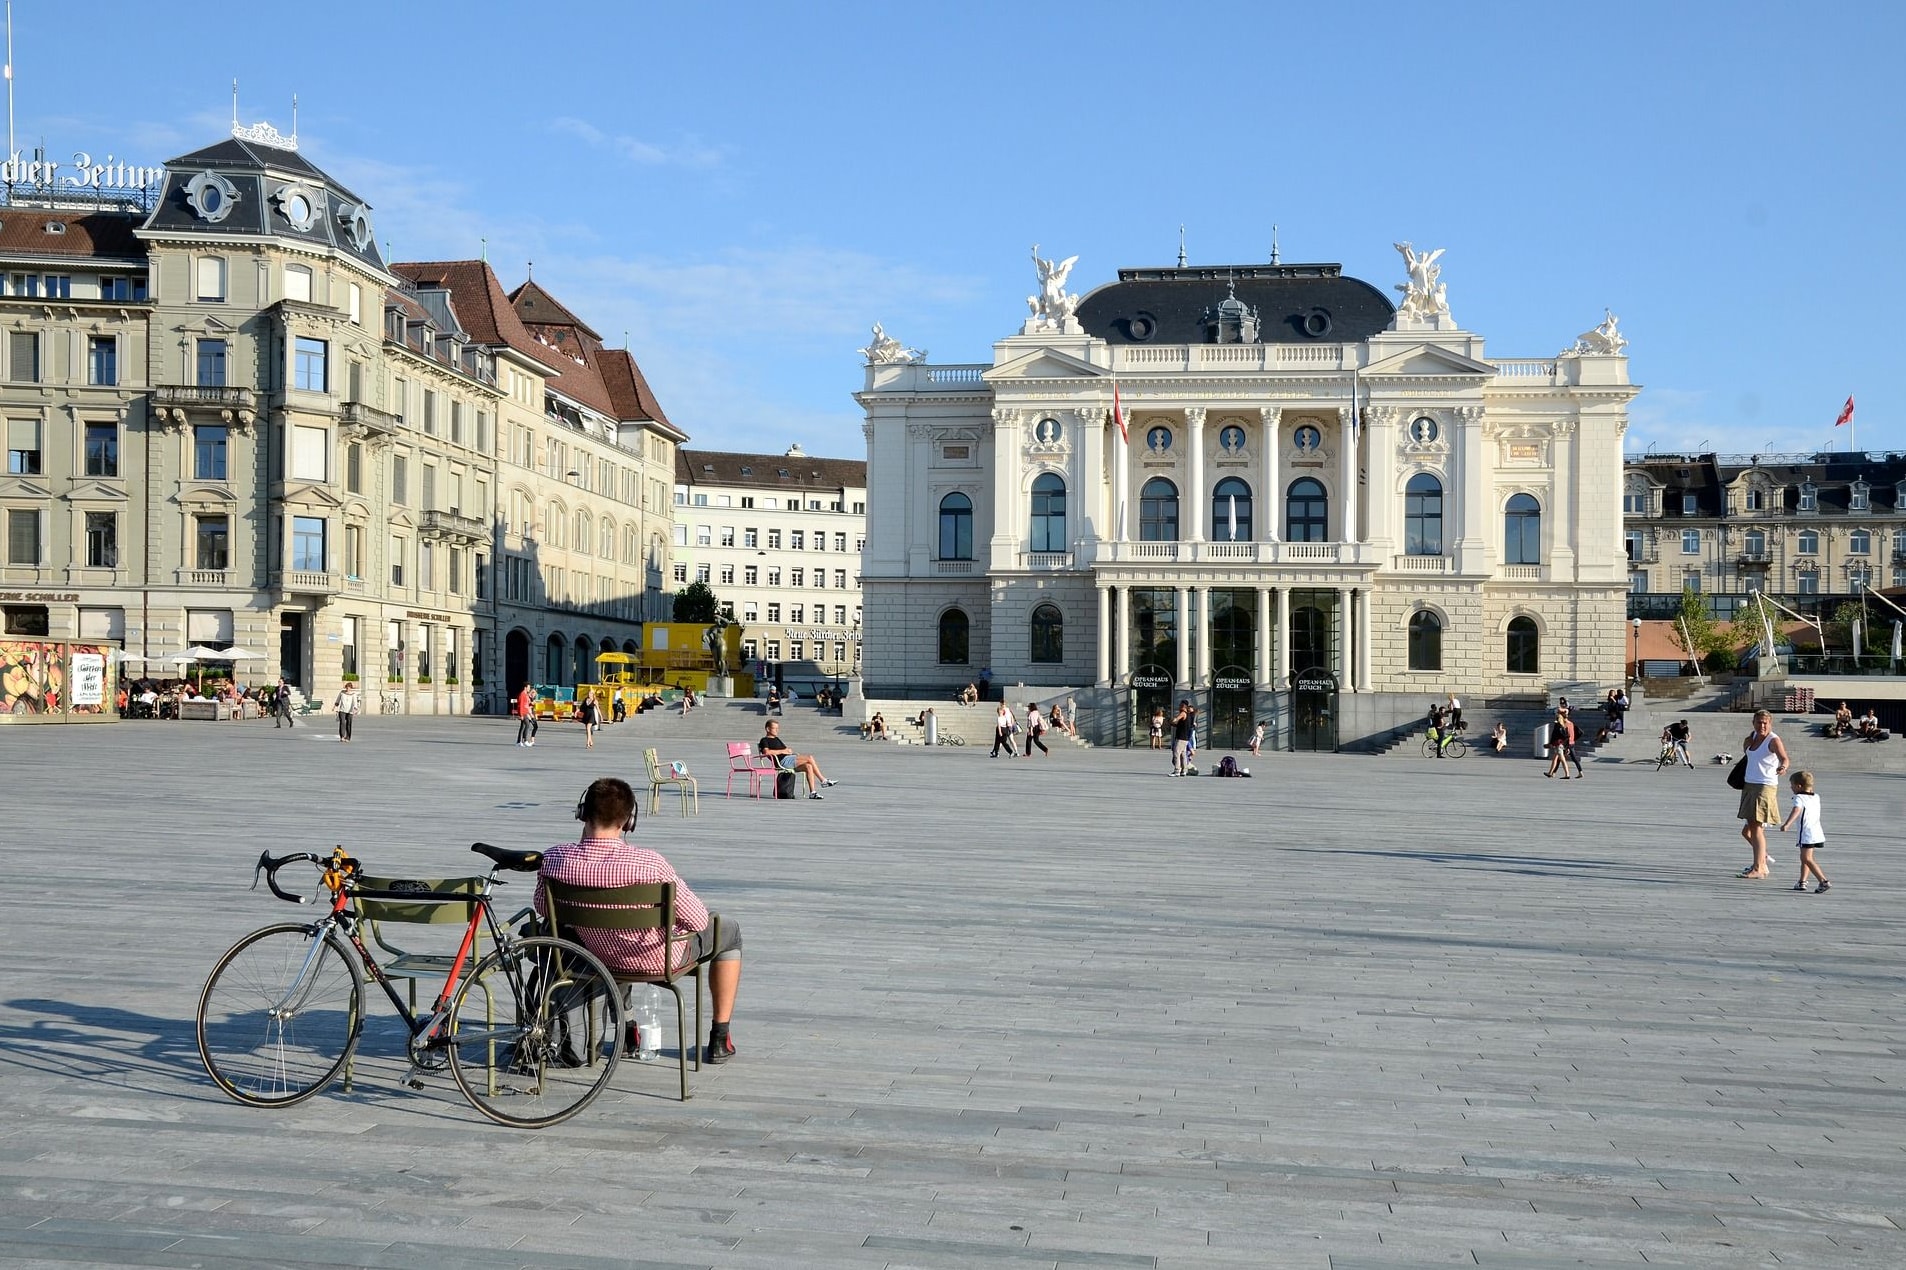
719, 1052
829, 784
1823, 888
816, 795
1800, 886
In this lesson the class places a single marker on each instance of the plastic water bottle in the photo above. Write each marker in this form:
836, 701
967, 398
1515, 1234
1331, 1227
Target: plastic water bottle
648, 1023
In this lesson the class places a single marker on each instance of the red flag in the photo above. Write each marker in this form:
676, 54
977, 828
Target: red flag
1118, 415
1846, 413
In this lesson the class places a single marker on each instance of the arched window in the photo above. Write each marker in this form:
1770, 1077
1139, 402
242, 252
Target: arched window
1525, 646
1049, 513
605, 539
583, 536
1423, 517
1426, 641
956, 529
1231, 511
585, 662
1048, 634
1522, 531
953, 638
555, 659
555, 524
1158, 511
1306, 511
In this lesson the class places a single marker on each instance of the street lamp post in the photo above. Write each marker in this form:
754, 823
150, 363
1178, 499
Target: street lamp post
1636, 672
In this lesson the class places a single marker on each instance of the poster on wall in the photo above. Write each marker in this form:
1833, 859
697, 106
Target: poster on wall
89, 679
30, 677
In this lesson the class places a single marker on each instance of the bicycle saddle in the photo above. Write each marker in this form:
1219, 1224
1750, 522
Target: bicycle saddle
515, 861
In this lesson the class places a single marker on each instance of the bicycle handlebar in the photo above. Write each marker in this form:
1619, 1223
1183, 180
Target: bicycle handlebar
336, 867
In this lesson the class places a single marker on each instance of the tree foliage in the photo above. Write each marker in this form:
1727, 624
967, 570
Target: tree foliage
696, 603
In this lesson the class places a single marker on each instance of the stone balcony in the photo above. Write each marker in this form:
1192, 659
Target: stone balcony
454, 527
361, 422
178, 404
317, 582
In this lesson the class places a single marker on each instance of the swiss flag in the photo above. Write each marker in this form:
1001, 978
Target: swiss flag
1118, 415
1846, 413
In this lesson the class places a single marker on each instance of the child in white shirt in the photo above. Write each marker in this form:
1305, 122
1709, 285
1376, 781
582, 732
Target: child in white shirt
1806, 810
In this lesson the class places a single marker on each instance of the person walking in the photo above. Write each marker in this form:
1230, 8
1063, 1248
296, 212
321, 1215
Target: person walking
1072, 716
283, 711
1257, 737
526, 716
591, 716
1035, 730
1181, 726
1766, 758
1158, 728
1561, 743
1002, 730
346, 706
1806, 810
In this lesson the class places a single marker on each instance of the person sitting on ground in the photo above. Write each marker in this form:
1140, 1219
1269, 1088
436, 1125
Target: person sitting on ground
1499, 737
921, 722
774, 747
1842, 721
1869, 724
604, 858
879, 726
969, 695
774, 701
1059, 723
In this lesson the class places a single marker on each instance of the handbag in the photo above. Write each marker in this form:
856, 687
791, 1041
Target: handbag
1737, 774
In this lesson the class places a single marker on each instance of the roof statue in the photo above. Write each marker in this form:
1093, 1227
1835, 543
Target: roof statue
1602, 340
1054, 306
885, 349
1424, 296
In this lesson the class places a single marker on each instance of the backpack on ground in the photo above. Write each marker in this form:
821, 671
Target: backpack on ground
1227, 766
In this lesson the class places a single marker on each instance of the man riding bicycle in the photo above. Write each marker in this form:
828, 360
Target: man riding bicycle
1675, 736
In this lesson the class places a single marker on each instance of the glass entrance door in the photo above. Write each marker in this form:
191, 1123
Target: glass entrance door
1314, 710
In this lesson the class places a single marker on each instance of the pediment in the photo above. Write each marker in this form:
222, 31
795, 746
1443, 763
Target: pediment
401, 520
1044, 363
207, 496
1428, 360
20, 487
96, 492
312, 496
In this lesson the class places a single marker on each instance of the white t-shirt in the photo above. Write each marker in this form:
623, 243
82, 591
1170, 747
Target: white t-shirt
1811, 832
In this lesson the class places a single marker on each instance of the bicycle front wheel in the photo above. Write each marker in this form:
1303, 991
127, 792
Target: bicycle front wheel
280, 1015
1458, 747
535, 1031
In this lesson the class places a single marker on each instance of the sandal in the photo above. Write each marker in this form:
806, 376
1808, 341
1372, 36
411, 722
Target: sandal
1749, 873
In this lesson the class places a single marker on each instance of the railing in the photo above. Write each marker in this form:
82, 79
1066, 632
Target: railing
1522, 572
204, 577
1226, 550
1150, 550
1753, 560
1422, 564
451, 525
952, 566
1237, 552
1524, 368
1258, 357
955, 374
1046, 560
369, 418
915, 377
306, 582
187, 395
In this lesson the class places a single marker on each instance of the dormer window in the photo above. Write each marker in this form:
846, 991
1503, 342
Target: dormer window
1860, 497
1809, 497
1753, 499
1690, 504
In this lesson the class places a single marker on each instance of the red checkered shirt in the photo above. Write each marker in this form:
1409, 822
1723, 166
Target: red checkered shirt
613, 862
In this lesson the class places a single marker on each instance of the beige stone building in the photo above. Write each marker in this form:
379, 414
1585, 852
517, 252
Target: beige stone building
1329, 510
230, 422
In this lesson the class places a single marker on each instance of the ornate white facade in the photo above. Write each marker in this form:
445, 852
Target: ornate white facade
1314, 480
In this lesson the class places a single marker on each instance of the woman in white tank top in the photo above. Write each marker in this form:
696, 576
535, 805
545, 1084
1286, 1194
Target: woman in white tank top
1760, 804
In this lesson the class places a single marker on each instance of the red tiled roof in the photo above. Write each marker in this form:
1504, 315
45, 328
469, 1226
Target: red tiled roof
102, 234
629, 388
804, 471
533, 305
479, 301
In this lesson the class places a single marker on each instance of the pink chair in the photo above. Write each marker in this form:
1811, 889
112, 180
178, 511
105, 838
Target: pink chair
743, 761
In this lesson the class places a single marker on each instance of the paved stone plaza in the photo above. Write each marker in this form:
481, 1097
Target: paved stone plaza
1351, 1013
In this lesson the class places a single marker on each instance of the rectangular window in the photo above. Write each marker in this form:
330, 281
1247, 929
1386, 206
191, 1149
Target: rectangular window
426, 566
429, 500
23, 537
727, 535
1691, 580
456, 494
214, 542
840, 542
774, 577
1808, 581
298, 283
130, 290
353, 553
701, 573
482, 577
727, 575
774, 539
1690, 542
23, 447
354, 467
399, 480
310, 453
102, 540
840, 581
1638, 582
102, 449
681, 571
774, 648
211, 363
703, 536
750, 612
354, 303
483, 431
795, 649
796, 577
396, 560
797, 614
1690, 504
1859, 500
774, 612
747, 500
399, 399
840, 615
748, 537
430, 412
456, 423
102, 360
23, 357
751, 576
210, 276
208, 452
307, 544
797, 540
309, 365
348, 633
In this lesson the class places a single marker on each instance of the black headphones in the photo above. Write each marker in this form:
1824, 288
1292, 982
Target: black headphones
582, 812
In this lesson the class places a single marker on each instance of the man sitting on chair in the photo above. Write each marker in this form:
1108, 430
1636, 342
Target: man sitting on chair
775, 748
603, 858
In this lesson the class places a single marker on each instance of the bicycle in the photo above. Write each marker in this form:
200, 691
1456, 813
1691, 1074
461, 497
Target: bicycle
949, 738
1671, 756
531, 1032
1453, 746
392, 703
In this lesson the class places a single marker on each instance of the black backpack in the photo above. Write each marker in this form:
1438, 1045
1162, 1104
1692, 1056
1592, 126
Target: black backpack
1227, 766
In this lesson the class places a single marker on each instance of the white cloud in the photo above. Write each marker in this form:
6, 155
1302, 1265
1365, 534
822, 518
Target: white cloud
1689, 421
689, 153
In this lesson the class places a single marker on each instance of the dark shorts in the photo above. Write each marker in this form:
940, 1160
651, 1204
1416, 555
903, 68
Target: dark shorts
728, 950
1812, 846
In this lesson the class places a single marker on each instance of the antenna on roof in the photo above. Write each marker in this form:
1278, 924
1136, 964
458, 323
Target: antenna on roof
1273, 244
1181, 246
483, 250
532, 271
10, 149
234, 101
294, 116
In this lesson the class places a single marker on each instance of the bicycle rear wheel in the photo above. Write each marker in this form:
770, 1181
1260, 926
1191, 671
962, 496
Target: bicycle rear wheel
280, 1014
535, 1032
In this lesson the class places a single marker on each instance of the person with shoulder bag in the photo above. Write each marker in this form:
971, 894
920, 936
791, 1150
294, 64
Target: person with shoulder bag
1763, 762
1035, 730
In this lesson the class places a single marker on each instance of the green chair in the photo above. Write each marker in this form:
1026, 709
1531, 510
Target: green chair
438, 903
637, 907
661, 777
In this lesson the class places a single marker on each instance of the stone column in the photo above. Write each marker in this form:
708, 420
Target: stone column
1204, 636
1363, 640
1280, 619
1008, 510
1085, 487
1105, 635
1194, 527
1270, 500
1343, 624
1347, 441
1558, 553
1266, 621
1379, 442
1473, 512
1182, 672
1121, 478
1121, 634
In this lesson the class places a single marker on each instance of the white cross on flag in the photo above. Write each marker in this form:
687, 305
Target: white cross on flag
1846, 413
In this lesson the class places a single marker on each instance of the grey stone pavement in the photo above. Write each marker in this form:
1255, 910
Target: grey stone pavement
1350, 1013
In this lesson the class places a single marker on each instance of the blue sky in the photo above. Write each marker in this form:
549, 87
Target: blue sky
743, 189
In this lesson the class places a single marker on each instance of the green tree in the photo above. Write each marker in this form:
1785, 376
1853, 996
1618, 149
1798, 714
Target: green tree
696, 603
1704, 634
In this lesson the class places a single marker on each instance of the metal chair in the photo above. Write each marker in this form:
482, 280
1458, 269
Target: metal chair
660, 776
637, 907
743, 761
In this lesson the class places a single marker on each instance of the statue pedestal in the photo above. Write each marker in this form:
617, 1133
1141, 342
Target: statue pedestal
721, 686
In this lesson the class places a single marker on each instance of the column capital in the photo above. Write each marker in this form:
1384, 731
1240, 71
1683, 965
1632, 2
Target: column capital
1194, 416
1005, 416
1469, 414
1270, 415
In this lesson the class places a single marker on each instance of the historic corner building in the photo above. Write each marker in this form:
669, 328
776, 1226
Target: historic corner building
1320, 490
231, 422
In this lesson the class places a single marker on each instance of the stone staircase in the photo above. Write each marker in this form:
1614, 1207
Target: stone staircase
971, 724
